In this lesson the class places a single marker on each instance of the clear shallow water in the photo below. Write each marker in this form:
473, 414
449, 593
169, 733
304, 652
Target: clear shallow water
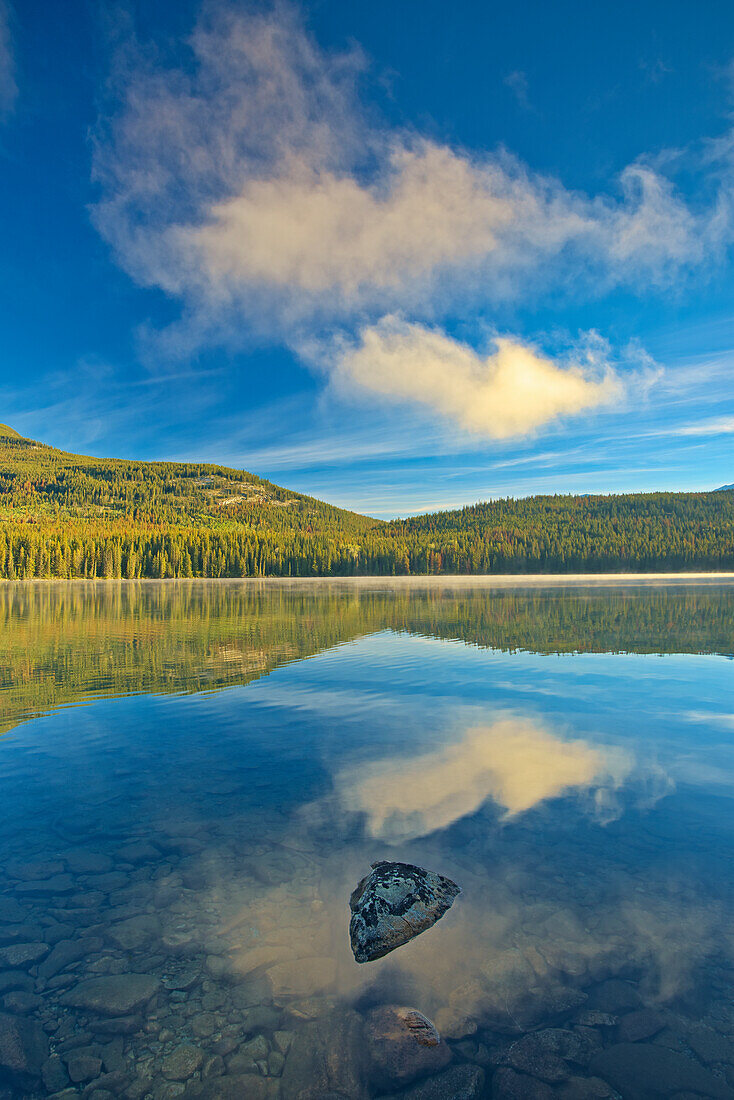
193, 778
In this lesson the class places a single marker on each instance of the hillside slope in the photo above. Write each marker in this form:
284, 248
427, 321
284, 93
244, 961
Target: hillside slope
66, 515
38, 481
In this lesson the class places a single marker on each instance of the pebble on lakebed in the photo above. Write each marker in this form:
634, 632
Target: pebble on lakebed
393, 904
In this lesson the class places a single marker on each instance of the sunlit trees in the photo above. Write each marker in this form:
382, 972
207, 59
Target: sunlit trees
70, 516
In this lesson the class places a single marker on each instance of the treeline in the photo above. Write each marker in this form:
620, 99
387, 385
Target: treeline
70, 516
97, 550
89, 551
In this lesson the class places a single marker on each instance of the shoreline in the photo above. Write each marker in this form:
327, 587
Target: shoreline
462, 580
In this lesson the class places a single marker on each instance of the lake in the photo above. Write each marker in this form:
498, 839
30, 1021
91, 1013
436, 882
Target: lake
194, 776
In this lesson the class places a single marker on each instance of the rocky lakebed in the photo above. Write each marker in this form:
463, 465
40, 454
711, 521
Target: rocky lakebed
131, 969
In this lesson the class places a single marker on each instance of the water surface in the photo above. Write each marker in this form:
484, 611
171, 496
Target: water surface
194, 776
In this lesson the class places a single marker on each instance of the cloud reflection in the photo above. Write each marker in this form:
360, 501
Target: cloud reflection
514, 761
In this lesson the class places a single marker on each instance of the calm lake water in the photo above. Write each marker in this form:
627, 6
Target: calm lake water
194, 777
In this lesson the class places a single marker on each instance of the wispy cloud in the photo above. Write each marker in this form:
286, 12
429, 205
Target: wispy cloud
326, 450
517, 82
718, 425
8, 85
655, 69
709, 426
83, 405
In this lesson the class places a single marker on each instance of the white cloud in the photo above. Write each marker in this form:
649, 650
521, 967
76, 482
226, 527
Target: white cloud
318, 231
248, 182
513, 761
8, 86
510, 392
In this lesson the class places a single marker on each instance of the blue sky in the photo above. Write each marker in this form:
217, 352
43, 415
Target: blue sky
400, 256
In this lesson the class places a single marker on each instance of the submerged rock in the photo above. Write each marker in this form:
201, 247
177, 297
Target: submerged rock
327, 1057
459, 1083
640, 1024
393, 904
641, 1071
403, 1045
23, 1051
509, 1085
233, 1087
113, 995
182, 1062
22, 955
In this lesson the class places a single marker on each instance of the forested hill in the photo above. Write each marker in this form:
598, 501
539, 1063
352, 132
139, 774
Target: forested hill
72, 515
66, 515
626, 532
39, 482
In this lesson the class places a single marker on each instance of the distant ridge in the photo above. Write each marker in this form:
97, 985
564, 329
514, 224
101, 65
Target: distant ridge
724, 488
9, 433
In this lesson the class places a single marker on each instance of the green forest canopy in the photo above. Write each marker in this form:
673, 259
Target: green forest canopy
67, 515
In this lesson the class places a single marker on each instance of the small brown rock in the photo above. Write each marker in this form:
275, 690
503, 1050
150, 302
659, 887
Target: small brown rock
403, 1045
183, 1062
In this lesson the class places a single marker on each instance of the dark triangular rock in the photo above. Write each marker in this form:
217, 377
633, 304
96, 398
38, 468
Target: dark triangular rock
393, 904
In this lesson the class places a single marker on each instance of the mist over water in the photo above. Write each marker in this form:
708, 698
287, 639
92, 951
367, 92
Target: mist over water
194, 776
